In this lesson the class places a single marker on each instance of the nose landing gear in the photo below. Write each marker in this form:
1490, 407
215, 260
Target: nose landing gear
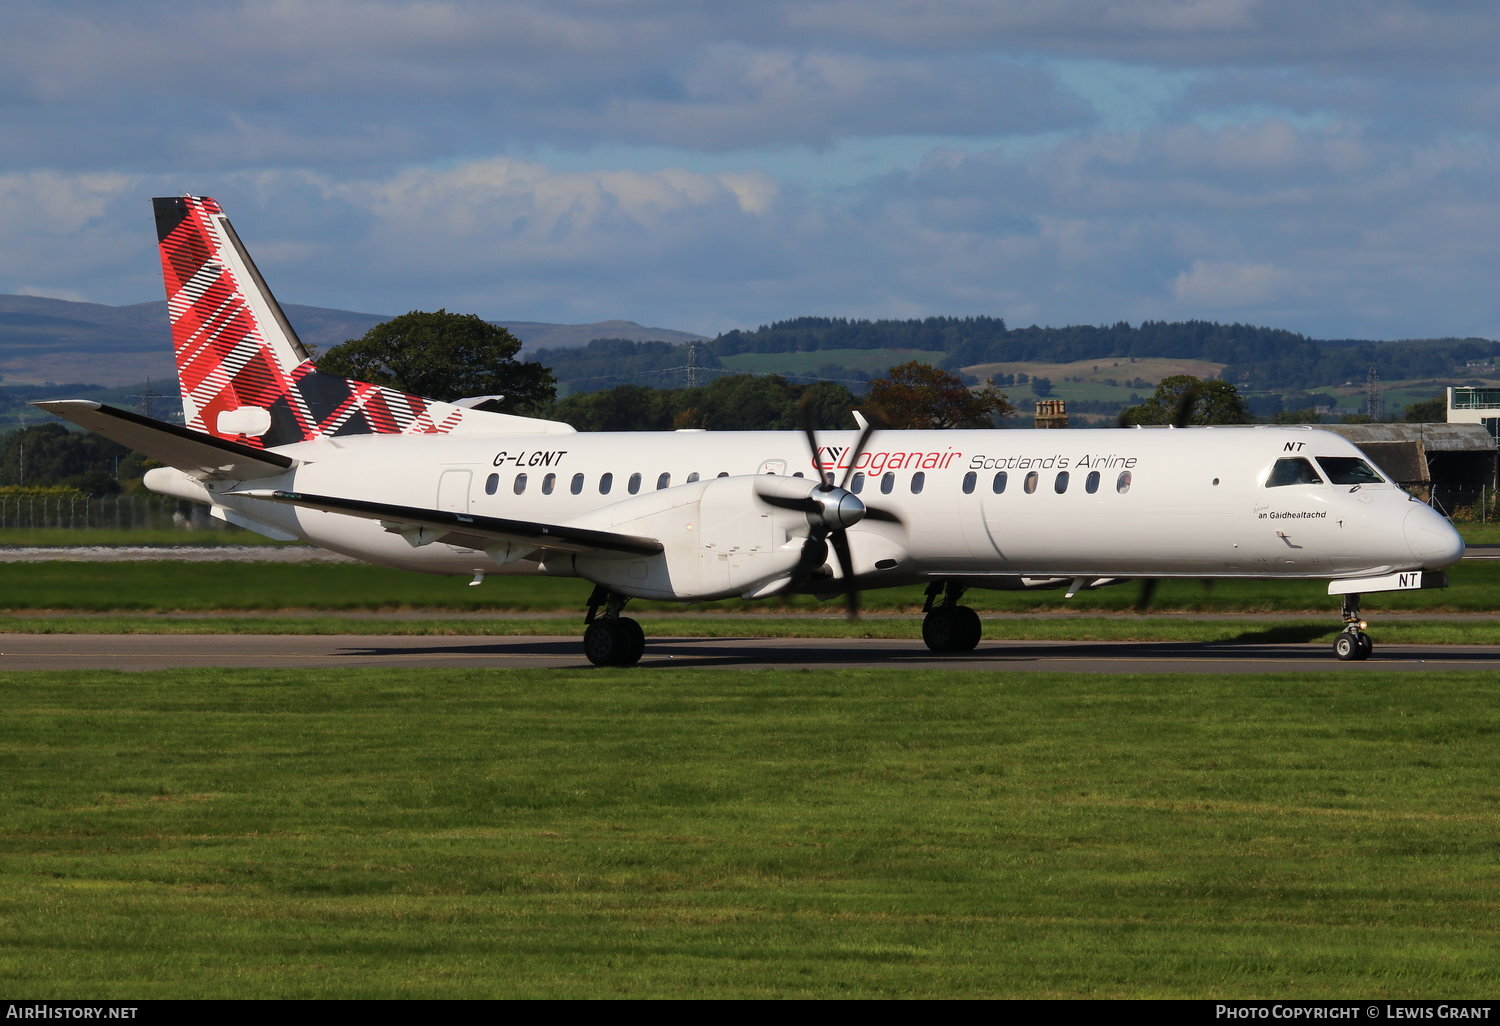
1353, 643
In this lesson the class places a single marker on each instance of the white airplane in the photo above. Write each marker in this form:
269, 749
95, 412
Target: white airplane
273, 445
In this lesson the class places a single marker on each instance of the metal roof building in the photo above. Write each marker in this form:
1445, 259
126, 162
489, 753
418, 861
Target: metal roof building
1453, 464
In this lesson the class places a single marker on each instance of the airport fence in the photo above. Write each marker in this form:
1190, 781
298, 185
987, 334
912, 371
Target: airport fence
65, 509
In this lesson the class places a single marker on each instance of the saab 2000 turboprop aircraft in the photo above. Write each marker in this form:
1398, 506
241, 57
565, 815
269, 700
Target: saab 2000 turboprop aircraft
273, 445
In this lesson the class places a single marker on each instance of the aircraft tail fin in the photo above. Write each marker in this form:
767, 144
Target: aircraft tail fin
246, 376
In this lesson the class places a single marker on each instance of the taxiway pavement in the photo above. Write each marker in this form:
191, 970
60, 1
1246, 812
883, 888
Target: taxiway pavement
145, 652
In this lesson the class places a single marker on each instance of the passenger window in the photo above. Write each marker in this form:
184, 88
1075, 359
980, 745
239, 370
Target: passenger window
492, 484
970, 480
887, 482
634, 484
1031, 480
1091, 483
577, 485
548, 483
1292, 470
665, 481
1061, 484
520, 485
998, 486
918, 481
692, 477
858, 484
1348, 470
723, 473
1122, 483
606, 482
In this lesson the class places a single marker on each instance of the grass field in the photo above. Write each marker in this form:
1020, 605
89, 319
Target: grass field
167, 586
832, 834
510, 834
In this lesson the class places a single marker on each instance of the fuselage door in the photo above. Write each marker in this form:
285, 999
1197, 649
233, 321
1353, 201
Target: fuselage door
453, 491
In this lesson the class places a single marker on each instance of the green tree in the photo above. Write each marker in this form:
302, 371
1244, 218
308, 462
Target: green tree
623, 408
1306, 415
444, 356
49, 454
919, 395
1206, 402
744, 402
831, 405
1429, 411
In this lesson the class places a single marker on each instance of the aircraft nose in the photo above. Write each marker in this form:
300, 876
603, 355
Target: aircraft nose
1432, 538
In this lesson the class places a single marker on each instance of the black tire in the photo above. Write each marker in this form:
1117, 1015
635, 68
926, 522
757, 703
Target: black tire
1346, 647
633, 641
969, 629
614, 642
1366, 646
951, 629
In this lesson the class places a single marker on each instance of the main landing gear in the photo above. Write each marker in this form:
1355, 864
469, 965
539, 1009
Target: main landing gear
949, 627
611, 639
1353, 643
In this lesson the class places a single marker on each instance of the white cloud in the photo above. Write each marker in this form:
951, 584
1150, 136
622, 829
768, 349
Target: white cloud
1325, 167
1225, 287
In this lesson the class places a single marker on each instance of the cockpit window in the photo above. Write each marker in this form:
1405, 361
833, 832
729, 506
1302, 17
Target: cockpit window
1349, 470
1292, 470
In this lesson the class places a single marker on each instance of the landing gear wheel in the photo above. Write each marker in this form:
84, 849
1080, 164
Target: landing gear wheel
952, 629
1353, 643
618, 642
635, 640
1353, 646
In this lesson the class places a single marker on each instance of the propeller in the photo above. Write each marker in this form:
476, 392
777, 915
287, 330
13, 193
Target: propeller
831, 510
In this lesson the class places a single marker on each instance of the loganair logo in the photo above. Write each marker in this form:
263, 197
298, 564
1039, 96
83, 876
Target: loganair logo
836, 457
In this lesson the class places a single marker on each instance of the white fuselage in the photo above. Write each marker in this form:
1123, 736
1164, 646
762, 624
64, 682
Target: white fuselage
977, 506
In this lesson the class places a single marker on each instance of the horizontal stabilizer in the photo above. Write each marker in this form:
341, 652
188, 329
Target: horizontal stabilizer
190, 451
469, 529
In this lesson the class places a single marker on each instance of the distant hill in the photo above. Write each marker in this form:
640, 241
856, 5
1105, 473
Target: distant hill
1097, 369
56, 340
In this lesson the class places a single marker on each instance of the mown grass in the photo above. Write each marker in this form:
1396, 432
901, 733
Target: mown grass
171, 586
363, 833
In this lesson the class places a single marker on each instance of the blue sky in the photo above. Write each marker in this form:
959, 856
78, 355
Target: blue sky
1330, 167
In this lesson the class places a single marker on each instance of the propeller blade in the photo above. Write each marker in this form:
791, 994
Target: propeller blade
1148, 595
1185, 403
814, 555
840, 541
859, 447
800, 504
805, 412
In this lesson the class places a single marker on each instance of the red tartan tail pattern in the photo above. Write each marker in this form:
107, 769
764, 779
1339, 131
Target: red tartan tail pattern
229, 356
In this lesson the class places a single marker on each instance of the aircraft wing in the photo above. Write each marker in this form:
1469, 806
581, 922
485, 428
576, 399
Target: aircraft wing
467, 529
191, 451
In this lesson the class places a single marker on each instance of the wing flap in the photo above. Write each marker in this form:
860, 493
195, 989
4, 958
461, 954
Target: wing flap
190, 451
469, 529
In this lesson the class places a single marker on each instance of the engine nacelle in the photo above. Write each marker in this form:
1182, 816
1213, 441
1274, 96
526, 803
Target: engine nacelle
721, 540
